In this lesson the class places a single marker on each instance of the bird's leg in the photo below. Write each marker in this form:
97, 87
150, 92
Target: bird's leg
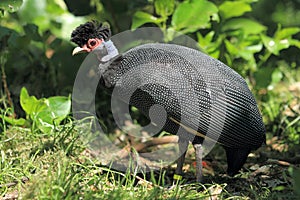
198, 152
183, 145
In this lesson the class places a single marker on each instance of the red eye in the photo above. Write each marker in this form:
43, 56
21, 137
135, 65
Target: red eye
92, 43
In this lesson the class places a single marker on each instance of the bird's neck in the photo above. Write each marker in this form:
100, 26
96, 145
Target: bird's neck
111, 49
109, 70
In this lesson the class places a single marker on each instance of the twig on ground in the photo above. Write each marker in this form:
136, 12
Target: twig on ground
23, 180
153, 142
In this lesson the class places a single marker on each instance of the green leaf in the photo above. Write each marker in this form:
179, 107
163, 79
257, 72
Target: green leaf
276, 76
248, 26
230, 9
295, 43
284, 40
15, 122
208, 45
45, 113
32, 9
5, 31
263, 77
164, 8
274, 46
193, 15
270, 44
243, 49
40, 12
279, 188
10, 5
11, 37
286, 32
57, 109
232, 49
30, 104
31, 30
140, 18
56, 43
55, 8
206, 40
254, 48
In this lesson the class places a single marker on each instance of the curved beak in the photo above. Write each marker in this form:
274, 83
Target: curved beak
78, 50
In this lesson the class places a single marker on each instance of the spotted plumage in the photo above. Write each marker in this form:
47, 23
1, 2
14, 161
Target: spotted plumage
197, 92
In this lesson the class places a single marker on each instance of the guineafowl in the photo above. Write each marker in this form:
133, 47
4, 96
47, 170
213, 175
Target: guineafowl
201, 96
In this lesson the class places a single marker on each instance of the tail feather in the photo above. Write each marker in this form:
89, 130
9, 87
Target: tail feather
236, 158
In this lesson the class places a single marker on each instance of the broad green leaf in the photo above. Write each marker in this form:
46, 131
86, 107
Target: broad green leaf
30, 104
164, 8
230, 9
263, 77
140, 18
10, 5
248, 26
57, 109
193, 15
45, 113
15, 122
45, 127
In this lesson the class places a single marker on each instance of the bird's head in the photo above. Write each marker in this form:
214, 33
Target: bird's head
89, 36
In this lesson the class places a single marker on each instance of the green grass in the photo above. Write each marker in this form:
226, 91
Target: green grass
58, 166
58, 169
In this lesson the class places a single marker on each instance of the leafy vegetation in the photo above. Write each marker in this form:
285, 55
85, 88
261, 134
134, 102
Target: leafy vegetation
44, 151
45, 113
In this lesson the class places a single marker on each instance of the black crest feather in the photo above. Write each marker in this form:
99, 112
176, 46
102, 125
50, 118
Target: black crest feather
89, 30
